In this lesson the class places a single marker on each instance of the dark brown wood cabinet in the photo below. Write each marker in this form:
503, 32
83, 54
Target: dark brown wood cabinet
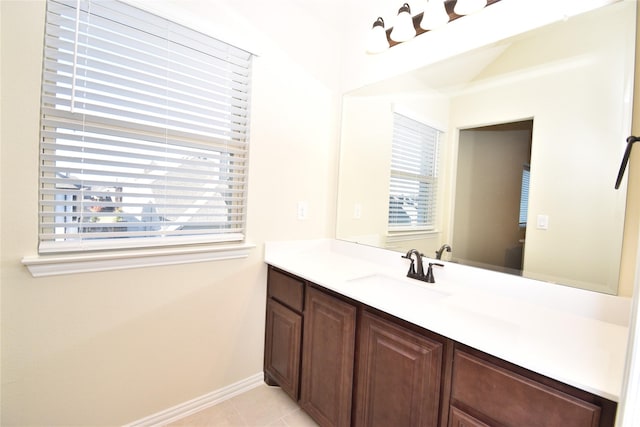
282, 354
349, 364
399, 375
327, 358
283, 332
459, 418
495, 392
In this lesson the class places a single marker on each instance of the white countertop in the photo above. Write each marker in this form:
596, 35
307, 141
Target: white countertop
575, 336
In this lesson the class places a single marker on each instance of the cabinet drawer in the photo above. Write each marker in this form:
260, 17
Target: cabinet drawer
509, 399
286, 289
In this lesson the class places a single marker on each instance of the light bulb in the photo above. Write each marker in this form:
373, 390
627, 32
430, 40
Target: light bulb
377, 37
435, 15
466, 7
403, 30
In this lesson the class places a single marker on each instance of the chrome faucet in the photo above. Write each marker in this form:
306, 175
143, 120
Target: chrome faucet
419, 274
442, 249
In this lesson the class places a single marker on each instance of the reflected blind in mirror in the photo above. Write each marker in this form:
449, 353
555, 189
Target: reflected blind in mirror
524, 196
414, 174
144, 131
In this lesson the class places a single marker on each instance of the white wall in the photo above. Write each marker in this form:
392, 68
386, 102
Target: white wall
110, 348
368, 156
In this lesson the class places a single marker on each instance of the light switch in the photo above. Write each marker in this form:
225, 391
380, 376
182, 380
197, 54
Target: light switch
303, 210
543, 222
357, 211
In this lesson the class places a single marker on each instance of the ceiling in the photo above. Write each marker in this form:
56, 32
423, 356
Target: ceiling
443, 77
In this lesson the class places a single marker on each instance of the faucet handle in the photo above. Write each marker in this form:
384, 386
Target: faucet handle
430, 277
412, 268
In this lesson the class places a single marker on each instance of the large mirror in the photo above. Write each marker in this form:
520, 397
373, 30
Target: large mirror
533, 131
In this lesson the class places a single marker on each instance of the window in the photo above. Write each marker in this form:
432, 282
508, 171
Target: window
144, 131
524, 195
414, 174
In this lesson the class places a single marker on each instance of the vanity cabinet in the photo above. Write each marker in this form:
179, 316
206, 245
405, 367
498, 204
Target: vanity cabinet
349, 364
399, 375
327, 358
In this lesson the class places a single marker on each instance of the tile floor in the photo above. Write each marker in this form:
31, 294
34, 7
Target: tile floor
261, 406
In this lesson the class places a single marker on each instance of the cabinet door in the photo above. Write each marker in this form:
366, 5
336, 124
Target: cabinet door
327, 358
399, 375
282, 347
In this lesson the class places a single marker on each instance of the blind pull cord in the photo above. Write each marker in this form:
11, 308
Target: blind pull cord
75, 58
625, 158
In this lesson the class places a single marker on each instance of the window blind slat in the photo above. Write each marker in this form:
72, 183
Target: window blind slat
144, 24
72, 148
144, 131
232, 138
172, 206
109, 178
228, 82
184, 95
145, 115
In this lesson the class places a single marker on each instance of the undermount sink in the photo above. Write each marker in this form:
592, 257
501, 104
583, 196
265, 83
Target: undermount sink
406, 287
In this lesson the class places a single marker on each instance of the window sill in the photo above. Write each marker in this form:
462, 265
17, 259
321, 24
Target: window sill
55, 265
405, 235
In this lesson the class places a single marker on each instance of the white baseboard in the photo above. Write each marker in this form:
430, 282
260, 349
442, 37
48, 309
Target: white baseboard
199, 403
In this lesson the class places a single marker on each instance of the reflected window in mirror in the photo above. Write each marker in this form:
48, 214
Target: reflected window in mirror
414, 175
524, 195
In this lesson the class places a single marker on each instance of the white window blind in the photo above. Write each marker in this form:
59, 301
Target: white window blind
144, 131
414, 174
524, 195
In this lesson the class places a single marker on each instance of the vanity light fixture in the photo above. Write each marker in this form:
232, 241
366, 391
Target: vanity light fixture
434, 16
403, 30
467, 7
377, 37
437, 13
